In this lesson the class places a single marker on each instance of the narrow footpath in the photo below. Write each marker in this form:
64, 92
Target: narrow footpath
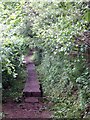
32, 106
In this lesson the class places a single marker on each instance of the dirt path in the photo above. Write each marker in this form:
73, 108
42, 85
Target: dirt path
32, 104
32, 108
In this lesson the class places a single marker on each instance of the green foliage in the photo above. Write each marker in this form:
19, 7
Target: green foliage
62, 73
51, 27
15, 92
13, 44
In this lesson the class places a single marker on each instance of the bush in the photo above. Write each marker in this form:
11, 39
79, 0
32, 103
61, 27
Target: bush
52, 27
13, 44
63, 70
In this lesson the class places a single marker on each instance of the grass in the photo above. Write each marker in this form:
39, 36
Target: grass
16, 90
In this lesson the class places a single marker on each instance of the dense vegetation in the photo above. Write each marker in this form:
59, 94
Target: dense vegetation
52, 27
13, 47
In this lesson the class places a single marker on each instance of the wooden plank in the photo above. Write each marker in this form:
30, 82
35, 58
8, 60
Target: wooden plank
32, 86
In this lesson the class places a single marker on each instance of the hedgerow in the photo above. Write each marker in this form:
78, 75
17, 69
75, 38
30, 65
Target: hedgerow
51, 27
13, 45
63, 71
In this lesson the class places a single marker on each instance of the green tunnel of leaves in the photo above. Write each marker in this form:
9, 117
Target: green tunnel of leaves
51, 27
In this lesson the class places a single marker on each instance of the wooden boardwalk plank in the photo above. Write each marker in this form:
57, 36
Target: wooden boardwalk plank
32, 85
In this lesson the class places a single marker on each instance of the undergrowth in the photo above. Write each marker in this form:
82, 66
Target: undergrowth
52, 27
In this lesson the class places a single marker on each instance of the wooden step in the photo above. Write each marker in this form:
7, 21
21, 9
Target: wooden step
32, 89
32, 86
